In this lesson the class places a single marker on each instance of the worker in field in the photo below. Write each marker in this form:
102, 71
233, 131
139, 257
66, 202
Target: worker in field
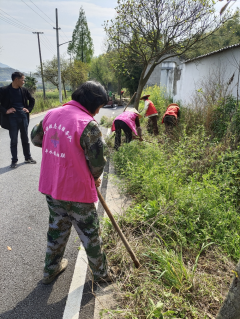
72, 163
171, 117
127, 121
151, 113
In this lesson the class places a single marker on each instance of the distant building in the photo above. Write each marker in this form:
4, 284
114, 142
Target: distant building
182, 78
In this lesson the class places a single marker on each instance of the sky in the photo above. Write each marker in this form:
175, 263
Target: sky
19, 48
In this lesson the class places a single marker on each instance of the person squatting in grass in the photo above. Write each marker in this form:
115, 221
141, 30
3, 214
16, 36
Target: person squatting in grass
127, 121
72, 162
171, 117
151, 113
16, 103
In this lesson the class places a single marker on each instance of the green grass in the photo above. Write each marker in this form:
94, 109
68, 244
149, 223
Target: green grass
51, 101
183, 223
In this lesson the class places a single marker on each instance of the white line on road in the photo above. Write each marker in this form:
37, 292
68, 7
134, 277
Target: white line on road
76, 289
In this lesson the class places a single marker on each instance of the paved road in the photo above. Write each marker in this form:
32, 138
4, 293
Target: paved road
23, 227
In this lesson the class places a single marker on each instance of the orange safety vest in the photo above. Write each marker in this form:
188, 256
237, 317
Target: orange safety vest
171, 110
151, 109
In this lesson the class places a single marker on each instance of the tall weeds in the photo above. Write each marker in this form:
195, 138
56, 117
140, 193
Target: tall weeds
184, 220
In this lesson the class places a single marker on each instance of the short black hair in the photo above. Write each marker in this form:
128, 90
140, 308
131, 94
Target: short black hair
16, 75
91, 95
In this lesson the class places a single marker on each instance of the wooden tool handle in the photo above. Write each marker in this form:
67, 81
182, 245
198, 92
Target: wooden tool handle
123, 238
129, 101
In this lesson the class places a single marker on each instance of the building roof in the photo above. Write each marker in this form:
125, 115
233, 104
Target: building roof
214, 52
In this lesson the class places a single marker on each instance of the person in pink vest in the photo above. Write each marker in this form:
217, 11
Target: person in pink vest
127, 121
151, 114
171, 117
72, 163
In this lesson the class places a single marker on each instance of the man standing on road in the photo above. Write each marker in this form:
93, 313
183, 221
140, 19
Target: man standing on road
72, 163
14, 113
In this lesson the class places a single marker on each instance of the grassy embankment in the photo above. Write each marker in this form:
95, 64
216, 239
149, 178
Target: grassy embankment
51, 101
184, 221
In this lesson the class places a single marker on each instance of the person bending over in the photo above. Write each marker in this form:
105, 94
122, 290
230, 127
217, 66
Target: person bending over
128, 121
151, 114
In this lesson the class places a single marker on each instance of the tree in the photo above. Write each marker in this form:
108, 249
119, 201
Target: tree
228, 34
72, 74
231, 306
30, 84
153, 30
129, 71
102, 72
76, 73
81, 46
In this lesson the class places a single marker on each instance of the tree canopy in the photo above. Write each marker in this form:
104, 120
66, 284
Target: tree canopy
72, 73
102, 72
81, 46
153, 30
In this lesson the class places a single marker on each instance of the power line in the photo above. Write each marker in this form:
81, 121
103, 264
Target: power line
42, 17
36, 13
42, 11
15, 20
45, 43
50, 43
5, 19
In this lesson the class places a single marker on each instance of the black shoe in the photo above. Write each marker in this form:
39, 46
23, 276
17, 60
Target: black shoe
30, 161
13, 165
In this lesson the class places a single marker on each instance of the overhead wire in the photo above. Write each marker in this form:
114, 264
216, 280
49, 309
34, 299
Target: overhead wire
42, 11
13, 24
43, 18
20, 25
49, 43
36, 13
15, 21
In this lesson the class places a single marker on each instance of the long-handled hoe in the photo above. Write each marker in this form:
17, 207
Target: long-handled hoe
123, 238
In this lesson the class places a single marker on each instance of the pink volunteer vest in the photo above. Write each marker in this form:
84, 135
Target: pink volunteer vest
65, 174
129, 118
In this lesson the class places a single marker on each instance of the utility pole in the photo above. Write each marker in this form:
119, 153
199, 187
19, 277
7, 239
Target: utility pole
44, 94
58, 56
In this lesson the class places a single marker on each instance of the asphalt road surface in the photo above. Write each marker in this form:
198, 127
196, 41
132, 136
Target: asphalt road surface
23, 228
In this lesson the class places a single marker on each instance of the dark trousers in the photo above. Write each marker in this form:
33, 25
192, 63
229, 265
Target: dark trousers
16, 124
120, 125
152, 125
170, 121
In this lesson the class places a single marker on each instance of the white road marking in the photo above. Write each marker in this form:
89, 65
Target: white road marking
74, 299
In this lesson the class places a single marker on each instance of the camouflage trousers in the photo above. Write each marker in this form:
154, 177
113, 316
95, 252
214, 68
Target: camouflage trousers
84, 218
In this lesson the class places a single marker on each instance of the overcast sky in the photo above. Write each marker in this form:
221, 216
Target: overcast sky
20, 47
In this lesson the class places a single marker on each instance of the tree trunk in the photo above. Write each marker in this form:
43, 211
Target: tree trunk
65, 93
231, 305
139, 93
142, 82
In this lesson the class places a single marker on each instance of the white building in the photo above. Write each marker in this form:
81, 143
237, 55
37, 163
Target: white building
181, 79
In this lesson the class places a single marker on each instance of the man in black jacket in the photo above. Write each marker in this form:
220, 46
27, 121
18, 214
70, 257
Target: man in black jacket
14, 113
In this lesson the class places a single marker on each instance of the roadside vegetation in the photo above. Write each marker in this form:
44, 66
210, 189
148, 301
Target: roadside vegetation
51, 101
184, 222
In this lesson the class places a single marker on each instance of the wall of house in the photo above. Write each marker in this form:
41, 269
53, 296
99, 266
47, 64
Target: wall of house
193, 73
166, 75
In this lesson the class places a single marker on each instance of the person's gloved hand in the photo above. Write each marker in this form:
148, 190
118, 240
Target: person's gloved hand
98, 182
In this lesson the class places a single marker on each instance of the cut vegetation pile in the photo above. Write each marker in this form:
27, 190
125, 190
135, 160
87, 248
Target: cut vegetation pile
184, 222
